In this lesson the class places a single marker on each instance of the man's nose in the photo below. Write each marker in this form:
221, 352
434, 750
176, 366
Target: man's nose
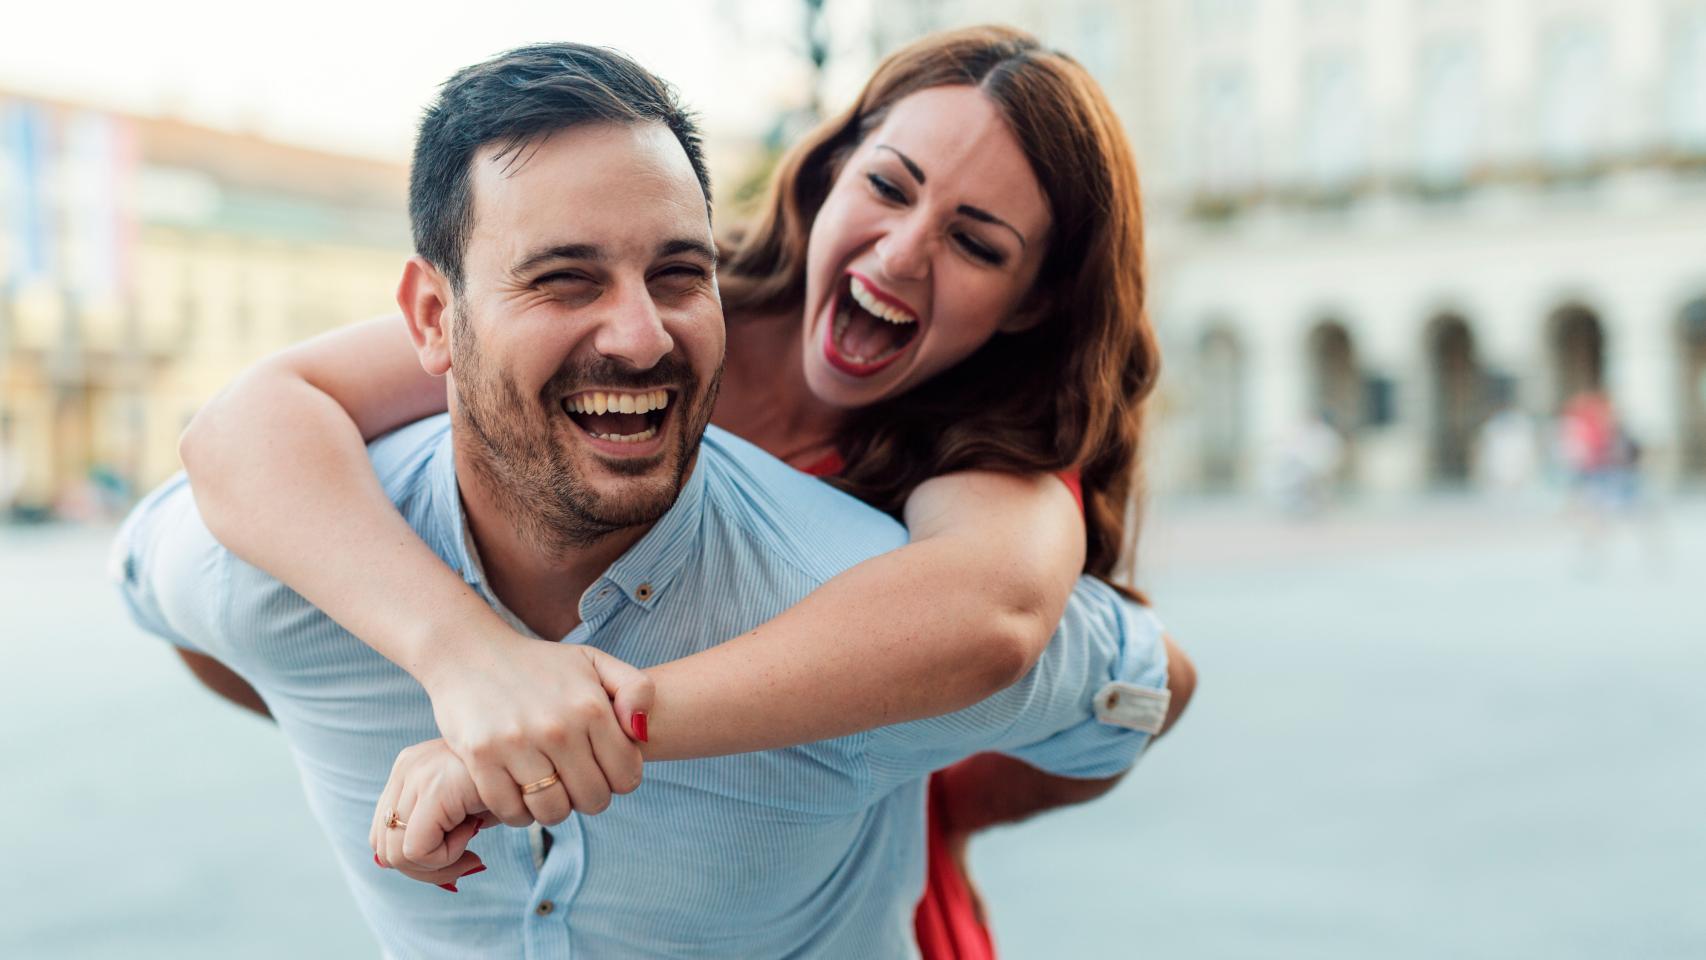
631, 329
904, 252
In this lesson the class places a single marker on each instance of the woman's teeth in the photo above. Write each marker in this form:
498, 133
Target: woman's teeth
599, 401
876, 307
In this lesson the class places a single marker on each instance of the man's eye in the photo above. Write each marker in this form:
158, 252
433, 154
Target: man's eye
680, 273
561, 278
885, 189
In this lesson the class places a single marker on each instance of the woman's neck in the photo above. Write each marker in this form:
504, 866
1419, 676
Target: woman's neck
765, 398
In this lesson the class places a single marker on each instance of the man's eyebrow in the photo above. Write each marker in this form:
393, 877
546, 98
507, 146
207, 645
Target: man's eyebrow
984, 216
565, 251
906, 162
699, 248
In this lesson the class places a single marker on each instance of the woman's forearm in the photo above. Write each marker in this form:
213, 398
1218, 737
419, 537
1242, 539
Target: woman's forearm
282, 478
957, 615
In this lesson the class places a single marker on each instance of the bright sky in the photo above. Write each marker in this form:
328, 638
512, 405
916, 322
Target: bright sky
353, 75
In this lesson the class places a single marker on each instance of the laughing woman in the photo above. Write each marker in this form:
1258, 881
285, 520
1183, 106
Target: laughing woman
940, 311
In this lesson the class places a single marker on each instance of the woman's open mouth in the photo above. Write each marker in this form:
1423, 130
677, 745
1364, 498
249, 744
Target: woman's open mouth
869, 330
621, 422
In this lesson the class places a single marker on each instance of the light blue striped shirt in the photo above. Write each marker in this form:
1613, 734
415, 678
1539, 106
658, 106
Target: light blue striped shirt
815, 851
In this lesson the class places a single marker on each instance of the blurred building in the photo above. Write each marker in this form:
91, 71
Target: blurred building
143, 262
1402, 215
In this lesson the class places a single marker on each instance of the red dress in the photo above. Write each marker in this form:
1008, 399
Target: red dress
946, 921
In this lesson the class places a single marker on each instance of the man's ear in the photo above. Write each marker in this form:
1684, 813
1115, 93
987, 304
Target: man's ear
425, 298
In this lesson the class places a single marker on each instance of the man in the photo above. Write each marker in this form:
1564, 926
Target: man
586, 266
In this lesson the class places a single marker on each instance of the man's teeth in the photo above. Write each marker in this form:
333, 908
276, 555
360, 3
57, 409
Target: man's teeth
640, 437
600, 401
875, 307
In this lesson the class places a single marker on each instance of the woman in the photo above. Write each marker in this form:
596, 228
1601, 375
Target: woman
941, 306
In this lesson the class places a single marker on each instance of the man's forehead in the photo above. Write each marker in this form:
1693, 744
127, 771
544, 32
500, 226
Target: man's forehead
622, 182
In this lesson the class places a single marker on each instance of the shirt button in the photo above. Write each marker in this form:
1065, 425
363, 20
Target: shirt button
643, 592
604, 593
545, 907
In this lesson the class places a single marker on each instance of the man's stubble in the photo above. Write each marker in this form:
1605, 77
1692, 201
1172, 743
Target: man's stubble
530, 477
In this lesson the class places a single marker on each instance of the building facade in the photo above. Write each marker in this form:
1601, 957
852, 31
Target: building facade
144, 262
1400, 216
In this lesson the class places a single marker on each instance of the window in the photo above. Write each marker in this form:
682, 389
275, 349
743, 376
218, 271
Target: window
1226, 135
1685, 81
1448, 116
1335, 146
1572, 95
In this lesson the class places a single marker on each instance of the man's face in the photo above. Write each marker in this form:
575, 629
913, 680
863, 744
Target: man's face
587, 341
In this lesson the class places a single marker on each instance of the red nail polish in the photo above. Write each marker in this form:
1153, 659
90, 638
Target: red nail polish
470, 873
448, 886
639, 726
378, 862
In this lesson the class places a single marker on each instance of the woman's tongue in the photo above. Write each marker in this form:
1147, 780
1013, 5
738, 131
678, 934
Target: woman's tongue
865, 338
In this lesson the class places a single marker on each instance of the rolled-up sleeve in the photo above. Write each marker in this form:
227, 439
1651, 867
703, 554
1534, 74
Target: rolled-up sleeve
1057, 718
169, 570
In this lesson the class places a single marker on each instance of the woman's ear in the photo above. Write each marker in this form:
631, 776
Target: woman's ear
1030, 313
425, 298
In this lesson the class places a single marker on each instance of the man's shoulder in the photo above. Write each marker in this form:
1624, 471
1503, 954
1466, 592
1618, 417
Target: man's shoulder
403, 458
817, 527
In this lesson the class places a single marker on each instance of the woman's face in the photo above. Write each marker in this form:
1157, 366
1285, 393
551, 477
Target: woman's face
927, 245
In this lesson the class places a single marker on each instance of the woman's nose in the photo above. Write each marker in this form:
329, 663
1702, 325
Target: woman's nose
904, 252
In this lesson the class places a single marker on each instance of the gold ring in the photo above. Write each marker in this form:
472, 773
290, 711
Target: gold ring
392, 821
539, 785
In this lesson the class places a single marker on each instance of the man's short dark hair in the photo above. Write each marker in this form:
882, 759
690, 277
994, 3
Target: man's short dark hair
513, 99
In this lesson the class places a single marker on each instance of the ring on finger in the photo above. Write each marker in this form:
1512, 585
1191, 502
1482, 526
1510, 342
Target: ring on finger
393, 822
538, 785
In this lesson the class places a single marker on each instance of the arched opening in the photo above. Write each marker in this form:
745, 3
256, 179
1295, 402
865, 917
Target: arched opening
1578, 354
1459, 400
1220, 406
1692, 364
1336, 391
1335, 387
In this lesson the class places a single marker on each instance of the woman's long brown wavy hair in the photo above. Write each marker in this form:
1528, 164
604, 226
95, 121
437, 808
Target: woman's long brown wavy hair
1066, 393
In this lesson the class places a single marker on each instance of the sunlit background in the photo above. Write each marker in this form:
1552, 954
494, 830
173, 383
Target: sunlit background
1450, 696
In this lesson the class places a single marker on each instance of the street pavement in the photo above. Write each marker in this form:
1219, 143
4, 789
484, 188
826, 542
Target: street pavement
1446, 730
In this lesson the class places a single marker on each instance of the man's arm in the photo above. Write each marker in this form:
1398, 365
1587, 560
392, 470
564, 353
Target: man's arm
224, 681
990, 789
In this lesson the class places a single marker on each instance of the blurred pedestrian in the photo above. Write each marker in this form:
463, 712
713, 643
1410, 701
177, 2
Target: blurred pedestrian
1507, 453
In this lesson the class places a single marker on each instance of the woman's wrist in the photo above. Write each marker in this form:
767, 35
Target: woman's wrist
442, 643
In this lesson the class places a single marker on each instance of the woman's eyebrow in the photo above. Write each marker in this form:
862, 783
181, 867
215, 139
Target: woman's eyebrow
984, 216
905, 161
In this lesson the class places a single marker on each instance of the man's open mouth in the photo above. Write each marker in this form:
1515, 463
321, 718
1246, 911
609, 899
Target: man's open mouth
870, 328
620, 416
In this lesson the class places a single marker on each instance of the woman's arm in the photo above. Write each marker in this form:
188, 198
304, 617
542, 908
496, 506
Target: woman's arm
961, 612
280, 472
279, 468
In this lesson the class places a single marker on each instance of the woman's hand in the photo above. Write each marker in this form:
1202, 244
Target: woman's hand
518, 711
427, 814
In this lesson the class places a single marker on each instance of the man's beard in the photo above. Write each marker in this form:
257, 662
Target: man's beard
532, 478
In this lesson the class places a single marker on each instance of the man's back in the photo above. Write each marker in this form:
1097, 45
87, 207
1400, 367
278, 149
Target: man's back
816, 849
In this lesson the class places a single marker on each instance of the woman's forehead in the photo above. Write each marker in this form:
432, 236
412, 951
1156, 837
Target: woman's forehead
958, 139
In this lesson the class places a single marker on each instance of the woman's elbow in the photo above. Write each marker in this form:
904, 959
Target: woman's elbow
1181, 683
1012, 646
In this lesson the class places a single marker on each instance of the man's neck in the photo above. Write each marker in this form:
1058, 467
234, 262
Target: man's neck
540, 585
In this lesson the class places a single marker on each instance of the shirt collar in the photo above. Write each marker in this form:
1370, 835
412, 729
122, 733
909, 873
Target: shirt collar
643, 573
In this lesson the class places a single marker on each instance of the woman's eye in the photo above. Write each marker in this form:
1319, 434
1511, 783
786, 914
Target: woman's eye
885, 189
980, 250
